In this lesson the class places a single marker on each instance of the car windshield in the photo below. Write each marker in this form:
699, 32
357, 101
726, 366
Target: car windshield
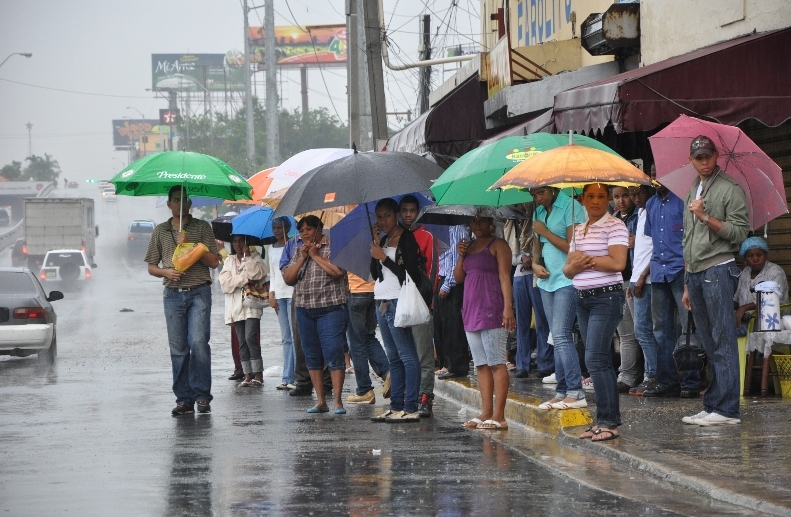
60, 259
141, 227
13, 282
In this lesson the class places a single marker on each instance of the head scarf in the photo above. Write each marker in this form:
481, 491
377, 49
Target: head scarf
752, 243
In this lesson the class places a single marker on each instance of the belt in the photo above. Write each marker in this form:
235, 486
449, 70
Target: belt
185, 289
585, 293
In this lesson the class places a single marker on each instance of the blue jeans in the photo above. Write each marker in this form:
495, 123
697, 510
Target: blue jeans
364, 348
665, 300
560, 308
711, 296
287, 339
404, 362
598, 317
323, 337
644, 330
526, 299
188, 319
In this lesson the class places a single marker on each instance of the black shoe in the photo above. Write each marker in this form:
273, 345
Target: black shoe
182, 409
521, 374
545, 373
450, 375
237, 376
204, 407
690, 393
301, 391
426, 406
659, 390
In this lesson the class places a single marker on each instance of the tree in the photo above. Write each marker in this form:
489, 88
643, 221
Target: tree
42, 169
12, 171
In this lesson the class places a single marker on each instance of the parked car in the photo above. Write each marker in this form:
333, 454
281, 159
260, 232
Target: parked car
28, 323
108, 193
66, 266
139, 234
5, 219
19, 253
73, 184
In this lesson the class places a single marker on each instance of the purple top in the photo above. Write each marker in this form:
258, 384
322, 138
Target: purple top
483, 299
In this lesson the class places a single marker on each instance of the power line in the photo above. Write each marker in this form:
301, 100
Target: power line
75, 92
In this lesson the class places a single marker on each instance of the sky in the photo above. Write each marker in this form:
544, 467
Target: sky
102, 51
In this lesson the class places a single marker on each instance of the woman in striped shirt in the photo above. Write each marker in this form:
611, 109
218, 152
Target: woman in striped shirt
597, 257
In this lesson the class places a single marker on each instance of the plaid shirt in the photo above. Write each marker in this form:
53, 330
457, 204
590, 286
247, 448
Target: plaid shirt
317, 289
163, 244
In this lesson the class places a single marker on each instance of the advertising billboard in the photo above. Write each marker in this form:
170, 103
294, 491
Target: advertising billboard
197, 72
130, 130
323, 45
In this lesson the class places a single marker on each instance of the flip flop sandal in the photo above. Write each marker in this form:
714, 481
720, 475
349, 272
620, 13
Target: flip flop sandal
492, 425
600, 431
588, 433
472, 424
581, 403
510, 367
244, 384
255, 383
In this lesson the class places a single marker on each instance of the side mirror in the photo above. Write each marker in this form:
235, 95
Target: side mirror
97, 230
94, 266
54, 296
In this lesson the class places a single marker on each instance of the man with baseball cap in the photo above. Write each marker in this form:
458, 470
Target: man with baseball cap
715, 224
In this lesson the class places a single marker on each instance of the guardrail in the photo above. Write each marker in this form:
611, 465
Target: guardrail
9, 238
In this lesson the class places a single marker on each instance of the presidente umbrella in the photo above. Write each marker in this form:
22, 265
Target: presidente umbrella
256, 222
739, 157
197, 201
466, 181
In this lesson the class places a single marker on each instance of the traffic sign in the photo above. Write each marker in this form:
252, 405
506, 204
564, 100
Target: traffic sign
168, 117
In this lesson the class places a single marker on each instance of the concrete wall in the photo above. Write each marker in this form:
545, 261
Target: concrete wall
674, 27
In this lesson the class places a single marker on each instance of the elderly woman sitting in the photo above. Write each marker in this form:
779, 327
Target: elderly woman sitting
757, 269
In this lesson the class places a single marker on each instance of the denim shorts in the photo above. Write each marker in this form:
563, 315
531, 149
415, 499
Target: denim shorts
488, 346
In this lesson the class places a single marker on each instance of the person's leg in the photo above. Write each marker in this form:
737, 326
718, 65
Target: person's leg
562, 303
423, 336
453, 335
644, 330
376, 353
545, 354
524, 314
627, 373
198, 335
485, 379
244, 350
663, 315
397, 375
304, 383
331, 323
176, 321
237, 361
252, 327
407, 351
311, 348
286, 338
439, 321
494, 345
357, 336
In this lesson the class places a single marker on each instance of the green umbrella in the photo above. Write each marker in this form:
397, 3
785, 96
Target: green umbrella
200, 174
466, 180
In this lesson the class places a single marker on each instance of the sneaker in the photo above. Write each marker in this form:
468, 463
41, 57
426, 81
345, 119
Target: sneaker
386, 387
204, 407
587, 384
366, 398
282, 386
544, 373
426, 406
715, 419
182, 409
640, 388
549, 380
659, 390
521, 374
237, 376
301, 391
691, 419
402, 417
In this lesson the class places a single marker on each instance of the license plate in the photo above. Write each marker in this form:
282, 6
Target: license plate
51, 274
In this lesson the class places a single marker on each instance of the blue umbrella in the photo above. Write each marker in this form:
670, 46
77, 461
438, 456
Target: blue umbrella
256, 222
197, 201
350, 238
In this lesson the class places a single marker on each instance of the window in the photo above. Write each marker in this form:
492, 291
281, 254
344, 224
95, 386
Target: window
61, 259
12, 282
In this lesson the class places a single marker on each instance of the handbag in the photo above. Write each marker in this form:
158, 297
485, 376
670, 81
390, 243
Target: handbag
689, 354
411, 309
255, 295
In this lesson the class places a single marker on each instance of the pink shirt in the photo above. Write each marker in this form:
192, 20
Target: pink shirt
607, 231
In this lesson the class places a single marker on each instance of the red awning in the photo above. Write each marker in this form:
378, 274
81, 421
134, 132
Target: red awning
729, 82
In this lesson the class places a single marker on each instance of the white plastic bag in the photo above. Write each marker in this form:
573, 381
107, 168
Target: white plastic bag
274, 371
411, 309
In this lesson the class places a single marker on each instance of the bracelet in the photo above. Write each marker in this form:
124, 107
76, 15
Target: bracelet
705, 221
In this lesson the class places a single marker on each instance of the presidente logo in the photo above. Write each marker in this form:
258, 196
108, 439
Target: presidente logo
519, 156
128, 173
180, 176
235, 179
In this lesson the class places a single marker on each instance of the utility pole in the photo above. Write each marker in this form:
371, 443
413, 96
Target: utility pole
29, 127
425, 72
373, 50
173, 105
248, 92
303, 76
272, 111
352, 73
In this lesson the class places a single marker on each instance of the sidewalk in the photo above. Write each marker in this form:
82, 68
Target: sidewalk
747, 464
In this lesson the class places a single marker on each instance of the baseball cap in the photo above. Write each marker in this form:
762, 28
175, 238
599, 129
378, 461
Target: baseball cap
701, 145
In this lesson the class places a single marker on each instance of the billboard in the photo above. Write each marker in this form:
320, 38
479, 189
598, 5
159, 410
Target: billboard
323, 45
130, 130
197, 72
498, 67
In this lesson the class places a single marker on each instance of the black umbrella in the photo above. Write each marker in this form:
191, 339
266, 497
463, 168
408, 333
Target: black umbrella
358, 178
223, 230
462, 214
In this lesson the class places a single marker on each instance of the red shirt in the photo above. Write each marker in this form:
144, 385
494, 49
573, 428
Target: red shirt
425, 243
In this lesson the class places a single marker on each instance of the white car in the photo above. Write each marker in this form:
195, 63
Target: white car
104, 184
65, 266
108, 193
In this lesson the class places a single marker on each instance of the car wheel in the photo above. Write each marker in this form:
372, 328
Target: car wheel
48, 355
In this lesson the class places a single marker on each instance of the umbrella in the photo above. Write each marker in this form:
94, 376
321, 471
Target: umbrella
260, 181
739, 157
298, 165
466, 181
358, 178
222, 228
256, 222
462, 214
350, 239
197, 201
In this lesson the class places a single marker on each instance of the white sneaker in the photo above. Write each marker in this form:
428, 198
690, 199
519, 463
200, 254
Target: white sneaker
587, 384
715, 419
691, 419
549, 379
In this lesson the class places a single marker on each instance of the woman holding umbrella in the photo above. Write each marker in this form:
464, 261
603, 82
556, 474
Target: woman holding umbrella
244, 266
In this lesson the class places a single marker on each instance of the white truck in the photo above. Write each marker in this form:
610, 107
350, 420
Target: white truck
59, 223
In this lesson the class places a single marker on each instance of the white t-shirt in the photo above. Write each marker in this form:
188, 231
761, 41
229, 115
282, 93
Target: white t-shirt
643, 249
276, 282
389, 288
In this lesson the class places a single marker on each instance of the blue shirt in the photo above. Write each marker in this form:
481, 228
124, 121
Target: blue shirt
449, 257
288, 250
664, 223
557, 222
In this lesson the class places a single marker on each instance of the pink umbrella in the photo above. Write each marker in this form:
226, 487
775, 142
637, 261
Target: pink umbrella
745, 162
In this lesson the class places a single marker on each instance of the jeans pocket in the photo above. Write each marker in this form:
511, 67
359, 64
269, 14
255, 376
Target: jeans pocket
166, 292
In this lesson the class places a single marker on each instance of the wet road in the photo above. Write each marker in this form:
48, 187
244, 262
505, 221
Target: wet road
92, 434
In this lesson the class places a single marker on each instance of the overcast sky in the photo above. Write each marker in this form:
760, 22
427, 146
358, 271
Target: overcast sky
102, 49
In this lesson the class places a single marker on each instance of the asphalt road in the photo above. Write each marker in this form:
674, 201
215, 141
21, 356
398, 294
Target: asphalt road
92, 434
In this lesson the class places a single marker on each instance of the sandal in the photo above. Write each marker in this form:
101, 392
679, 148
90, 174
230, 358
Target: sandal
244, 384
607, 434
588, 433
441, 371
492, 425
472, 424
255, 383
547, 405
510, 367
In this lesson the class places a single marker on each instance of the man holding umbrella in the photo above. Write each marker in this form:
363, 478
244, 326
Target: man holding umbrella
715, 224
187, 299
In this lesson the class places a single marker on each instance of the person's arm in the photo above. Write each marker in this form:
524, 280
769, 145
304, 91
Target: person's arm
324, 263
456, 235
458, 271
538, 270
212, 257
154, 258
502, 253
255, 269
291, 272
230, 280
160, 272
638, 286
557, 241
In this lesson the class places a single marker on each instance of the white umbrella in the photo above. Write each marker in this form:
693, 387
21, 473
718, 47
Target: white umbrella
295, 167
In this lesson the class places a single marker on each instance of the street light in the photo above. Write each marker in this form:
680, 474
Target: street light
137, 110
25, 54
193, 81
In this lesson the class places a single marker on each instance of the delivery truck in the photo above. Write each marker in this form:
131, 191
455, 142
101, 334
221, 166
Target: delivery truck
59, 224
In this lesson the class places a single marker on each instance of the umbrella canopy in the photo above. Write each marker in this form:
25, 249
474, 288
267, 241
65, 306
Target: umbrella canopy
197, 201
260, 181
222, 228
200, 174
463, 214
572, 166
300, 164
740, 158
466, 181
256, 222
359, 178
